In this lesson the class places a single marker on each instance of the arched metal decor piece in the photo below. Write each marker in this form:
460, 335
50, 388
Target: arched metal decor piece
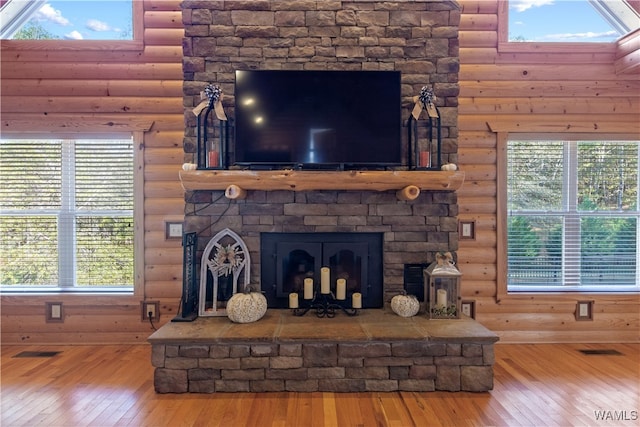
224, 270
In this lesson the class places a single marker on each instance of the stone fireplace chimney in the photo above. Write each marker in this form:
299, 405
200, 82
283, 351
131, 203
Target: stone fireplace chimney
417, 38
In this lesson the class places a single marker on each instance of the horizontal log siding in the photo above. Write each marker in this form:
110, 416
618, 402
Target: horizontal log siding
535, 92
147, 85
56, 87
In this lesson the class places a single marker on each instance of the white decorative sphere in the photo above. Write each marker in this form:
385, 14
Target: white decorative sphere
246, 308
405, 305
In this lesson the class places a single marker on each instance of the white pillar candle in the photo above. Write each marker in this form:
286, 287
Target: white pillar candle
441, 298
293, 300
356, 300
308, 288
325, 287
341, 289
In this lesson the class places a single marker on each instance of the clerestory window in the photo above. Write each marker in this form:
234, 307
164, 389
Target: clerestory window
66, 214
573, 215
553, 25
72, 24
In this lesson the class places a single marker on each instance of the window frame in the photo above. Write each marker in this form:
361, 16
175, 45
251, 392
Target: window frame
506, 46
137, 137
570, 214
502, 291
136, 44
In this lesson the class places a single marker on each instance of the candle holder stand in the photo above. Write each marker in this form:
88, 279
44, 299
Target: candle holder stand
325, 306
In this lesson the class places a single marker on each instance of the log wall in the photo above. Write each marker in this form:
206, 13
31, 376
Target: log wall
501, 91
527, 89
86, 89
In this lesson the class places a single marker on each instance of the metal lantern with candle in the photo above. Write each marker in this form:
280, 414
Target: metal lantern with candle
211, 155
443, 288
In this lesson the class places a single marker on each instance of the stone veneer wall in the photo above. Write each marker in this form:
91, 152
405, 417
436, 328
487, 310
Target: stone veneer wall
418, 38
331, 367
413, 231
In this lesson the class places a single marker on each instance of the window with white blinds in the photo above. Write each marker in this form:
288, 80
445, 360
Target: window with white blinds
572, 215
66, 214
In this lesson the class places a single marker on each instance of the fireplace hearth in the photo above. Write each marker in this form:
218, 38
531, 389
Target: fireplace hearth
288, 259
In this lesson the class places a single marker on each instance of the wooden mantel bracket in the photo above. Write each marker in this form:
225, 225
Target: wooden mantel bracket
407, 184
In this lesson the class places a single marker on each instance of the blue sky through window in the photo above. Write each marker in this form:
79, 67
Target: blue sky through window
558, 21
86, 20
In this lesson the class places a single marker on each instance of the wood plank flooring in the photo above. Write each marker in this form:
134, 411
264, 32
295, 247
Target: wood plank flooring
535, 385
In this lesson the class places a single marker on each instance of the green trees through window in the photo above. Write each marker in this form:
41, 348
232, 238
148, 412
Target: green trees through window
573, 214
66, 213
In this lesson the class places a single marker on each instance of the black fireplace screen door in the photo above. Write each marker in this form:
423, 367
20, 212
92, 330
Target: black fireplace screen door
287, 259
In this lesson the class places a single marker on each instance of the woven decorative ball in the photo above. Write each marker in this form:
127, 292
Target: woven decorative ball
246, 307
405, 305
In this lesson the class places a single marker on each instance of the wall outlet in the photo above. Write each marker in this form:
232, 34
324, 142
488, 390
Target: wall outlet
53, 312
150, 310
173, 230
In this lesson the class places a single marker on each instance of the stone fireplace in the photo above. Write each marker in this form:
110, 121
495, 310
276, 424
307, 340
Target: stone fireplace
418, 38
368, 226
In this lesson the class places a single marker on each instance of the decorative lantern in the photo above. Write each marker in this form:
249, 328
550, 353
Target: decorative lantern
443, 288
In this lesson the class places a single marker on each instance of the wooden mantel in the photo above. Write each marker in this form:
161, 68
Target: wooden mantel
234, 181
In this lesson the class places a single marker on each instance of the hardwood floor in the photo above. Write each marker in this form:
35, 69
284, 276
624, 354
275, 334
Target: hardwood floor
535, 385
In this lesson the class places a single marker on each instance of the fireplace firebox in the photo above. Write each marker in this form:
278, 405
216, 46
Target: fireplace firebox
287, 259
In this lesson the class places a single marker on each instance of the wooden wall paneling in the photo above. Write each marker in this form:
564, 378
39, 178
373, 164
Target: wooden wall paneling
162, 155
478, 22
163, 19
477, 188
472, 7
482, 39
164, 138
163, 36
582, 90
147, 54
87, 71
82, 104
473, 288
163, 272
168, 188
90, 88
531, 90
478, 55
108, 90
547, 105
547, 88
160, 5
537, 72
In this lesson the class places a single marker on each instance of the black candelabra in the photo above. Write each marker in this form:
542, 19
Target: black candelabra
325, 306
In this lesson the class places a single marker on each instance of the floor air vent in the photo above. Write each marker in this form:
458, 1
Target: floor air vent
37, 353
605, 352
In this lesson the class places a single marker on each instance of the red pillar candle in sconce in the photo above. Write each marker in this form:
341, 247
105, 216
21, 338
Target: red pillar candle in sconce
424, 159
213, 159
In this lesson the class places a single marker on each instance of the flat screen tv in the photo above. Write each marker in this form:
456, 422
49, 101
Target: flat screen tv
318, 119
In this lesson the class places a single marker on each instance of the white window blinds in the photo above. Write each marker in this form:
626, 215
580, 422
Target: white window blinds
573, 215
67, 213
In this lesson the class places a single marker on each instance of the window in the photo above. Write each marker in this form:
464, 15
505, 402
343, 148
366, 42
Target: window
72, 24
572, 215
66, 214
68, 20
551, 25
546, 21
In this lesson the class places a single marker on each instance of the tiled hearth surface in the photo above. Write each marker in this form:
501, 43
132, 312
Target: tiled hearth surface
374, 351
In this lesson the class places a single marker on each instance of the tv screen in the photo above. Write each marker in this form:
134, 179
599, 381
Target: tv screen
318, 119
